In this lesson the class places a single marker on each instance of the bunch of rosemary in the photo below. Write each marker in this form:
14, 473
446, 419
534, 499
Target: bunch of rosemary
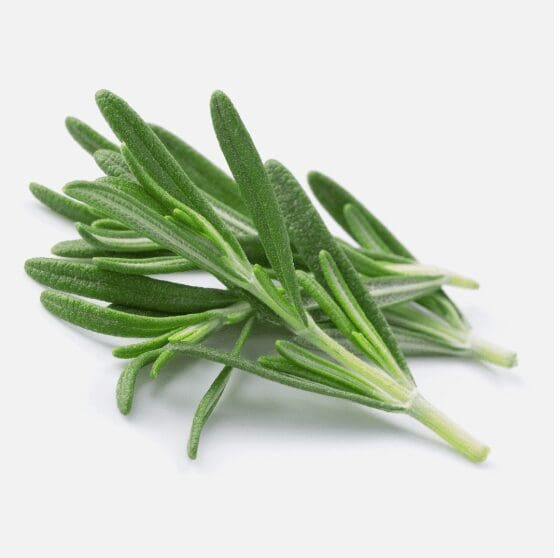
349, 312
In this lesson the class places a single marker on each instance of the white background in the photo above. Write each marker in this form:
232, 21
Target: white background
438, 115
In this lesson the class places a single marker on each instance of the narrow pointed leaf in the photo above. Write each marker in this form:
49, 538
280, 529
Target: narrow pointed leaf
63, 205
113, 241
106, 320
108, 224
87, 137
127, 380
362, 231
136, 349
334, 198
81, 249
86, 279
212, 396
145, 266
256, 190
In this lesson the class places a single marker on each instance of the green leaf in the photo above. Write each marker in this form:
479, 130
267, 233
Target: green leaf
116, 241
205, 174
136, 349
106, 320
310, 236
87, 137
112, 163
87, 280
256, 190
82, 249
214, 355
62, 205
441, 305
108, 224
362, 231
334, 198
156, 162
127, 380
134, 189
145, 266
212, 396
331, 309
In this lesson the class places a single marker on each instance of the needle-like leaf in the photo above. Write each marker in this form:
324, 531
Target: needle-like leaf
256, 190
144, 266
334, 198
127, 379
212, 396
81, 249
108, 224
63, 205
87, 137
116, 241
106, 320
86, 279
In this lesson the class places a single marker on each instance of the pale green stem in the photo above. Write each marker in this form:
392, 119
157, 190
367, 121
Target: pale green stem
451, 278
484, 350
453, 434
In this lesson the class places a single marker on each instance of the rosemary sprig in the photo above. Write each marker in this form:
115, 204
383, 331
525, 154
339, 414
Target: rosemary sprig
163, 207
194, 231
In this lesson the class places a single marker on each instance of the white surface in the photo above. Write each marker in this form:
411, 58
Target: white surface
439, 116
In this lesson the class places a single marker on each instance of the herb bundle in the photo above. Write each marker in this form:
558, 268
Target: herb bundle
348, 311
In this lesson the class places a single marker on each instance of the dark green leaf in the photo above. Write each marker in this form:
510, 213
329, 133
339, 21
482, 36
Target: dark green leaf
82, 249
139, 292
112, 163
212, 396
145, 266
106, 320
258, 195
334, 197
127, 380
63, 205
87, 137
